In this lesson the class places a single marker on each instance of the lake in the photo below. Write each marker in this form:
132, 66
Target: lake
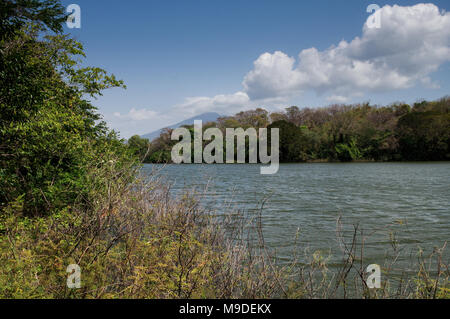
410, 200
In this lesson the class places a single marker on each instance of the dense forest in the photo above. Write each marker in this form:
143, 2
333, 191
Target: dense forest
398, 132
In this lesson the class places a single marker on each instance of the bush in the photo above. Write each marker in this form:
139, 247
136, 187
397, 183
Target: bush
49, 132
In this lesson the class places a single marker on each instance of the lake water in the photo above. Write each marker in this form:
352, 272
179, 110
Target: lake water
410, 199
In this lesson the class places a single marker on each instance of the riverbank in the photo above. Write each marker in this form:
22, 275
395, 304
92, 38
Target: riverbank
144, 242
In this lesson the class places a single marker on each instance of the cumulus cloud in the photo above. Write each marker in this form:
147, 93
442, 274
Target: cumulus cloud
273, 75
411, 43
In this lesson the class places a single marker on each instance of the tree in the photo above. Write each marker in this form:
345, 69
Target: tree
15, 14
161, 148
50, 134
277, 116
348, 152
139, 146
291, 141
424, 136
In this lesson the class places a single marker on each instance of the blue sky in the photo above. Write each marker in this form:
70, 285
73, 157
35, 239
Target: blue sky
182, 58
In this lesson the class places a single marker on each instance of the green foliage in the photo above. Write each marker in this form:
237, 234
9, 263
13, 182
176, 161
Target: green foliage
161, 148
15, 14
139, 146
425, 135
49, 132
348, 152
291, 141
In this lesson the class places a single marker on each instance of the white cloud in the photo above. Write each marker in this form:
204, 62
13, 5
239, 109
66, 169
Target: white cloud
337, 99
138, 115
411, 43
224, 103
428, 83
273, 75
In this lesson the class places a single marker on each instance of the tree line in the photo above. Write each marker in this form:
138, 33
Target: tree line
359, 132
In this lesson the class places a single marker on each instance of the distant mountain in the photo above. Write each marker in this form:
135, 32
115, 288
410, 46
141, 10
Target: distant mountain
205, 117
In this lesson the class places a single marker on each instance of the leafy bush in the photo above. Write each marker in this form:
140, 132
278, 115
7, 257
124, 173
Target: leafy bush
49, 131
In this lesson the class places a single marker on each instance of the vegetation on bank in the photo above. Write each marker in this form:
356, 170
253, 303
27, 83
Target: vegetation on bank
398, 132
70, 193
